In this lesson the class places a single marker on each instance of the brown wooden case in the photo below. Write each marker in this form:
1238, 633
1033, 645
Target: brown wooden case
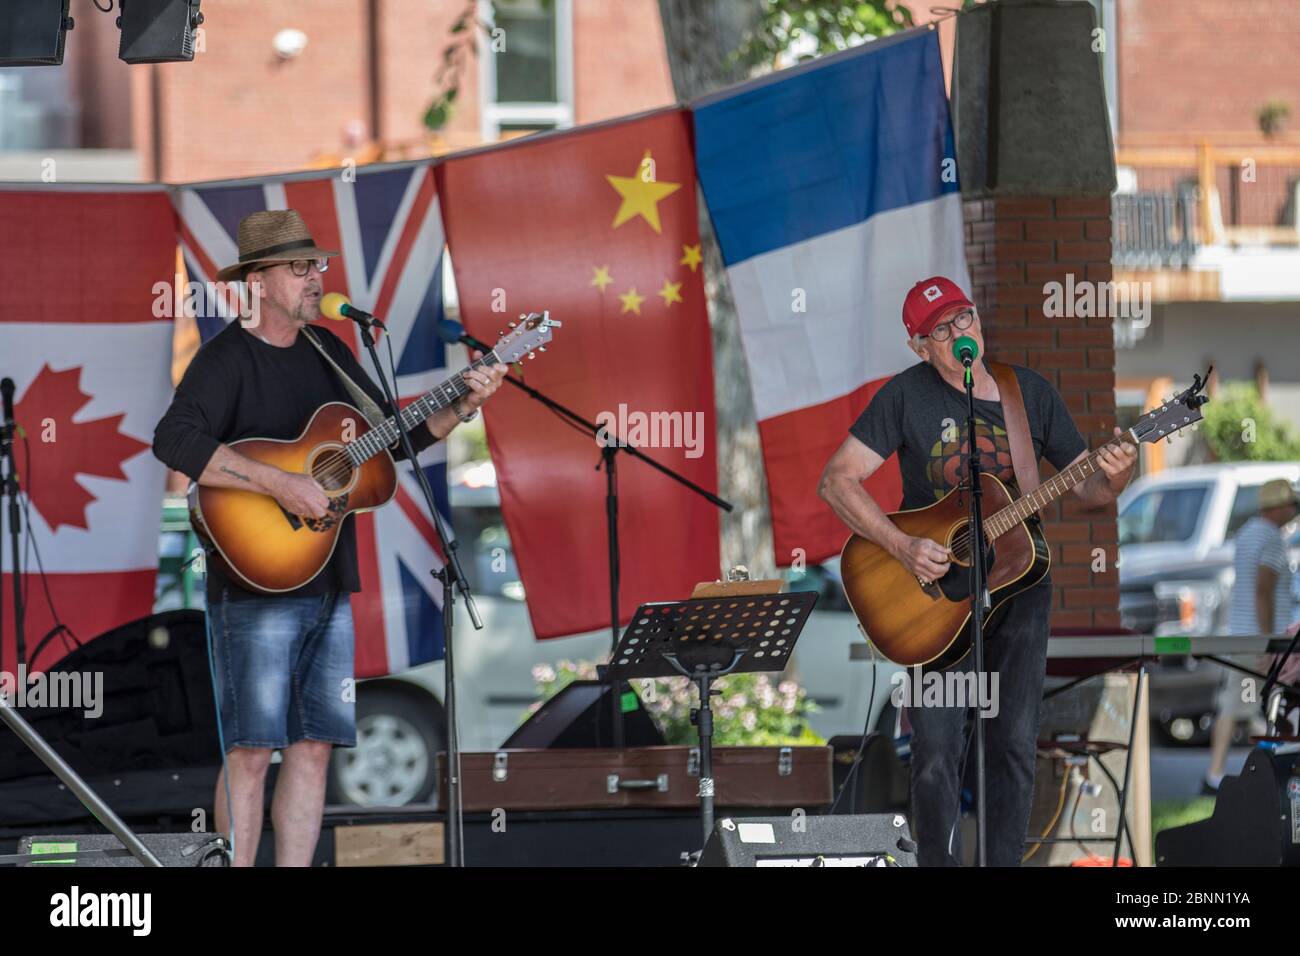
640, 777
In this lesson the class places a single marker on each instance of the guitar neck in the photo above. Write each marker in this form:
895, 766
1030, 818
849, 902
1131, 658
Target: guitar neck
439, 397
1016, 512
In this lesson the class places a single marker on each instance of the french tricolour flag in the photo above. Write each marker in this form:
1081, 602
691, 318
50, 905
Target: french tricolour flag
832, 188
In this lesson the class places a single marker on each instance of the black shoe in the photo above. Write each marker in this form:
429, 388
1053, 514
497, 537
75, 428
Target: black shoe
1208, 789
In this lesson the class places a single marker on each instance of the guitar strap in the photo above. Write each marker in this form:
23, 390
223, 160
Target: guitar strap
1013, 410
373, 413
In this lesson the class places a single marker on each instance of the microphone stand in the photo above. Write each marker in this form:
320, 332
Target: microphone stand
9, 488
451, 576
9, 715
5, 440
609, 462
979, 603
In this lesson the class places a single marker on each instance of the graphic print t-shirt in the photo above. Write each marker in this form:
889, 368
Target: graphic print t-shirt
923, 418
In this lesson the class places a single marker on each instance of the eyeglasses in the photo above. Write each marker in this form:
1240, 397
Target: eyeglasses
300, 267
943, 331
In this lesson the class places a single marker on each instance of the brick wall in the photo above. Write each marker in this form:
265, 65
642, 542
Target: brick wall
1014, 247
412, 36
1205, 66
239, 110
99, 81
620, 65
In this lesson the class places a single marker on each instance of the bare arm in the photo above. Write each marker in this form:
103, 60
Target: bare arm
1265, 582
227, 468
841, 488
443, 421
297, 494
482, 383
1104, 485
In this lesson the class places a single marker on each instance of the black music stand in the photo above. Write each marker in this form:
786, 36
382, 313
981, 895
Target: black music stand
704, 638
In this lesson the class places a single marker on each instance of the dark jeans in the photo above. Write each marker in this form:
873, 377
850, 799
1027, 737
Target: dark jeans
1015, 648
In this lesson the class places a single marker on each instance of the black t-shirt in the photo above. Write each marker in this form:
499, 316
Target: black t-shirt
238, 386
923, 418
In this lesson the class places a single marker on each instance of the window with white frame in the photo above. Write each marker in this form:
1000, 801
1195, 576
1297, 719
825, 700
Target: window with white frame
527, 66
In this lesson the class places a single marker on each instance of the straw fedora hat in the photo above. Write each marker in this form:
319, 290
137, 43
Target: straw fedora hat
1276, 493
276, 235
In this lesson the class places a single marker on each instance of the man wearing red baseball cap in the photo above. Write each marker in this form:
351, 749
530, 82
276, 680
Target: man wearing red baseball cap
920, 415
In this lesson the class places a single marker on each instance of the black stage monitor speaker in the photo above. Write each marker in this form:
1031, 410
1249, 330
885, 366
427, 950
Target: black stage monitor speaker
880, 839
1256, 819
158, 31
32, 32
581, 715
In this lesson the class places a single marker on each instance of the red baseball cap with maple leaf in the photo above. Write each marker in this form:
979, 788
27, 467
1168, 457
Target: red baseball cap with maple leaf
930, 301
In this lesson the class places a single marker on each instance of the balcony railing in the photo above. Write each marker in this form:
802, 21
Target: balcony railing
1154, 230
1245, 195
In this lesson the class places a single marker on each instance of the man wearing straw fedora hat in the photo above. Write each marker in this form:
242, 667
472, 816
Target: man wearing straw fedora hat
282, 663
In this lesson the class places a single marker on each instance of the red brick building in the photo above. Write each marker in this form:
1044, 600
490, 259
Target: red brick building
284, 86
1205, 97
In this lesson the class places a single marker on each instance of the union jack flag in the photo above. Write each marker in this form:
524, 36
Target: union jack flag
386, 224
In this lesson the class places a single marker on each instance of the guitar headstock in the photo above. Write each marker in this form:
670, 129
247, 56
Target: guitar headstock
529, 334
1180, 411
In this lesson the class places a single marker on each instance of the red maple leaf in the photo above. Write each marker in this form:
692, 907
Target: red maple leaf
61, 449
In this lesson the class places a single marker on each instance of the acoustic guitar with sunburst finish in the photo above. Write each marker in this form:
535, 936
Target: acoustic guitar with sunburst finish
912, 621
253, 540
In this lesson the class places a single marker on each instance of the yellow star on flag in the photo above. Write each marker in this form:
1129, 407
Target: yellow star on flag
631, 301
641, 196
691, 257
671, 292
601, 278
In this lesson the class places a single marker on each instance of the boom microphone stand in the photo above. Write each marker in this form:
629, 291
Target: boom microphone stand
966, 349
451, 576
610, 446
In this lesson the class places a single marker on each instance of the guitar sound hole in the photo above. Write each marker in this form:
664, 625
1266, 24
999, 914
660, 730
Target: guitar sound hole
332, 471
959, 543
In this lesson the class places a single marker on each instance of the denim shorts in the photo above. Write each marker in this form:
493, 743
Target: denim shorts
284, 669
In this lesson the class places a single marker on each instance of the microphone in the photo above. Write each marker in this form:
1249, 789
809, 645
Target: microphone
453, 332
7, 393
966, 350
335, 305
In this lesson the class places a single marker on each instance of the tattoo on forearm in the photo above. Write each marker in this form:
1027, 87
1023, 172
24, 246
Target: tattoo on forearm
231, 471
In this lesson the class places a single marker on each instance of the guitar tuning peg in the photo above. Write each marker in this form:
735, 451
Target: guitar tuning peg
532, 355
511, 324
541, 348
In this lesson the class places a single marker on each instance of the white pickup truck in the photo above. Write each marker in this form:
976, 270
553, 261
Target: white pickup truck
1176, 577
1176, 547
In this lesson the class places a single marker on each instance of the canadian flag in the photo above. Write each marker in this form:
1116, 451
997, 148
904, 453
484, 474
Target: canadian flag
91, 364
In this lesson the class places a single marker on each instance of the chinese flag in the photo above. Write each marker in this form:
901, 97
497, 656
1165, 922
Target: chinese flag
599, 226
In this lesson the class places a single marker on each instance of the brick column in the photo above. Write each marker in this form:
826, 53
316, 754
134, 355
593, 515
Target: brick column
1015, 246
